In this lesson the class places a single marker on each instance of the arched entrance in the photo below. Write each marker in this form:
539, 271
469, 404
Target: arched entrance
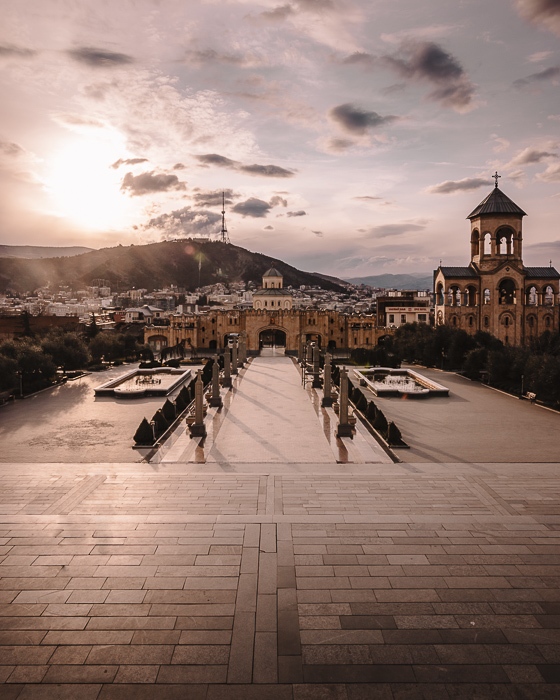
272, 338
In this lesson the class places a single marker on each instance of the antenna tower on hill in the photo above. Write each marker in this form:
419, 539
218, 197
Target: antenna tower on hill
223, 233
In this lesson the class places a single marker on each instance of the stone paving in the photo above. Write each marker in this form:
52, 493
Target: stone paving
287, 581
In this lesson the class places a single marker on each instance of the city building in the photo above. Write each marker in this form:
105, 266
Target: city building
496, 292
280, 325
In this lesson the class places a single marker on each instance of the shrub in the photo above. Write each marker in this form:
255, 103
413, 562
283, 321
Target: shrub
168, 411
161, 423
380, 423
144, 435
361, 404
180, 403
354, 394
394, 436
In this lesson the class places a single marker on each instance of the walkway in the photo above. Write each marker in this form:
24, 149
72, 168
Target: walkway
269, 418
279, 580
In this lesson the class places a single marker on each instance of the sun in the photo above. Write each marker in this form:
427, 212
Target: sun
84, 188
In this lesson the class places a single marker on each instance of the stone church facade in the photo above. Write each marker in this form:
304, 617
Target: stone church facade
496, 292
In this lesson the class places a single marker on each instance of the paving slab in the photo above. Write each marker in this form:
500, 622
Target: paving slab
297, 579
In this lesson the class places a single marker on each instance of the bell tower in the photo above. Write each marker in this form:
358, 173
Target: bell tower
496, 231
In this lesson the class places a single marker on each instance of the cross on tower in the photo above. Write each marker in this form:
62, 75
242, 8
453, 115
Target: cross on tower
496, 176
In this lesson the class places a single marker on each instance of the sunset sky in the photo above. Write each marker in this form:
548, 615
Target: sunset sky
352, 137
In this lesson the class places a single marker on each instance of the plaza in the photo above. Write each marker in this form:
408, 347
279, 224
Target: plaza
271, 559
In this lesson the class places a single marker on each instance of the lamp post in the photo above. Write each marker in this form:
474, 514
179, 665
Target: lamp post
153, 424
20, 375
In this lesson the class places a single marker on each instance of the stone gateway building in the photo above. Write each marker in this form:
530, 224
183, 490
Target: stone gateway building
496, 292
272, 322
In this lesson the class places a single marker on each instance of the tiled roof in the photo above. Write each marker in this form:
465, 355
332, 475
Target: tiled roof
542, 273
272, 272
496, 203
458, 271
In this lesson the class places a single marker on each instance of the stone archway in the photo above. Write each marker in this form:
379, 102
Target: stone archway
272, 338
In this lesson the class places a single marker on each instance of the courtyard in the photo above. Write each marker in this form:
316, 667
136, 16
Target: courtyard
272, 560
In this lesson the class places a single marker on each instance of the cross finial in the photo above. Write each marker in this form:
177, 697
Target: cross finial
496, 176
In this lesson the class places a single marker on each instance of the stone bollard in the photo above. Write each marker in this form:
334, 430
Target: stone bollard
198, 429
327, 383
234, 370
216, 399
226, 380
344, 428
316, 358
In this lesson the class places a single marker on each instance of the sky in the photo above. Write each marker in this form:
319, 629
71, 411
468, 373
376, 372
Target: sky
351, 137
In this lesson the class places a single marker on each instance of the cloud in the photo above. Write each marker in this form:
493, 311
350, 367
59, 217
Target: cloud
76, 120
206, 56
128, 161
367, 198
277, 201
551, 174
465, 185
358, 121
9, 50
277, 14
501, 144
11, 149
99, 58
253, 207
544, 12
266, 170
360, 58
150, 182
213, 198
386, 230
546, 74
183, 222
258, 170
530, 156
179, 166
268, 228
215, 159
296, 213
430, 62
319, 234
334, 145
540, 56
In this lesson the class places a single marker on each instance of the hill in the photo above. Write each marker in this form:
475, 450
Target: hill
39, 251
151, 267
419, 280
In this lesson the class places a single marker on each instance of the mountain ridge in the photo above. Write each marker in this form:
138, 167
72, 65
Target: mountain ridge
186, 263
31, 252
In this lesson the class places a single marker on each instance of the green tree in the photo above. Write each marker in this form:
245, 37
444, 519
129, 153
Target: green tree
66, 349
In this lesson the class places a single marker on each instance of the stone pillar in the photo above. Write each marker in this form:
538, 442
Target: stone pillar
216, 399
301, 353
327, 383
242, 350
226, 380
316, 358
344, 428
198, 429
234, 357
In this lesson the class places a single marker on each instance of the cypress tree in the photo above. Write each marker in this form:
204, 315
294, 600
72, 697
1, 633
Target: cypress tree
361, 404
380, 423
371, 411
161, 423
168, 410
144, 434
394, 436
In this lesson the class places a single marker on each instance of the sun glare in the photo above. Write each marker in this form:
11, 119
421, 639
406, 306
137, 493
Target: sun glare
85, 189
